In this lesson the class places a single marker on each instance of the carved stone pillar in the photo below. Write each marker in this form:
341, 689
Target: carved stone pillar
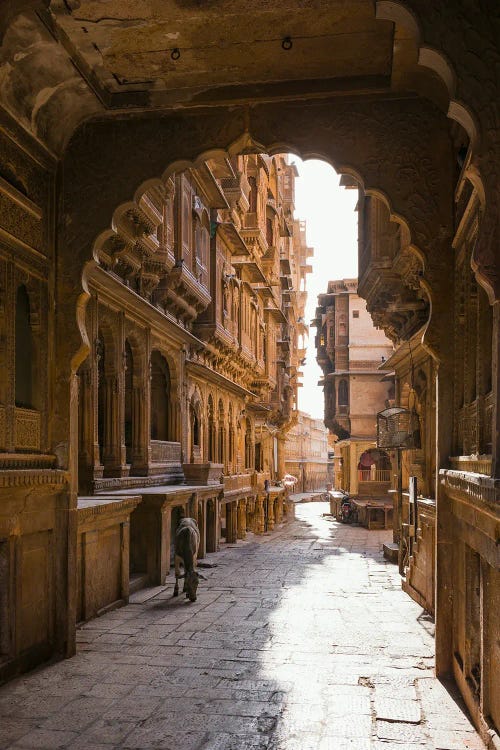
86, 423
242, 519
495, 366
269, 506
139, 434
278, 511
120, 368
260, 519
212, 517
281, 471
231, 522
111, 448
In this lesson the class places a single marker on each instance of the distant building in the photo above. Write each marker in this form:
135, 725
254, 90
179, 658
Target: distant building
306, 453
350, 352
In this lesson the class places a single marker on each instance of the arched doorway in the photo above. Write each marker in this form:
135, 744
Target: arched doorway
129, 403
160, 398
25, 366
374, 466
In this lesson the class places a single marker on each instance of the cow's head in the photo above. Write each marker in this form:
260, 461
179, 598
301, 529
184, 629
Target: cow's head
191, 584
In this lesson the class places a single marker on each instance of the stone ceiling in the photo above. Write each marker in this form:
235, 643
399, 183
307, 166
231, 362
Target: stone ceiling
66, 61
129, 44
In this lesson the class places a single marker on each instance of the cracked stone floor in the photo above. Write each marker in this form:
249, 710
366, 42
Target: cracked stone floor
300, 640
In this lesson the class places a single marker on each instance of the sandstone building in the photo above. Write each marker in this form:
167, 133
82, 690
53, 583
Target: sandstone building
183, 401
103, 123
356, 386
306, 453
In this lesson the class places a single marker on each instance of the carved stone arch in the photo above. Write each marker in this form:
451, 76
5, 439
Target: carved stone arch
211, 431
396, 159
34, 289
173, 368
443, 38
133, 337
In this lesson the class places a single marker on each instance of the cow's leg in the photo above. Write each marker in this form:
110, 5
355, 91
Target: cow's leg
177, 564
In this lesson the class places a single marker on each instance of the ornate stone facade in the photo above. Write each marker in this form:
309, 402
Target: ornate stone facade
190, 383
356, 386
306, 454
98, 122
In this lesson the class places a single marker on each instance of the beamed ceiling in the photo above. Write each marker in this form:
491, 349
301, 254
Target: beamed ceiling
65, 61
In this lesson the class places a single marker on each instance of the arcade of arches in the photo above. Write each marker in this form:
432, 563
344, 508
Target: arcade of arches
141, 316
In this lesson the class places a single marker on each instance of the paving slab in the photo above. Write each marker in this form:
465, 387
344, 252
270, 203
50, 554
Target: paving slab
301, 639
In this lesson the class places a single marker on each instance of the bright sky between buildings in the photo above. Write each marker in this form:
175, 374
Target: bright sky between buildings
332, 230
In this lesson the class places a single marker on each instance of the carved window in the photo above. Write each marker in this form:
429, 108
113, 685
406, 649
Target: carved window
25, 366
269, 232
343, 393
221, 447
259, 458
211, 431
248, 445
252, 197
160, 397
129, 404
196, 429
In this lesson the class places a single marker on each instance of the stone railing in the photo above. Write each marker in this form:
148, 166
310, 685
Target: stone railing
237, 482
473, 464
26, 429
165, 452
379, 475
259, 478
468, 485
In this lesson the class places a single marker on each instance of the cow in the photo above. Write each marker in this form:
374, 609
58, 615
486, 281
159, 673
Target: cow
187, 541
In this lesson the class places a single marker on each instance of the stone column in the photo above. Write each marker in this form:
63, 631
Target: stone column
212, 517
231, 522
269, 508
139, 434
202, 517
85, 429
495, 367
260, 519
122, 451
242, 519
281, 456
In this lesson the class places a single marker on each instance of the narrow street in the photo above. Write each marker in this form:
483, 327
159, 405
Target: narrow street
299, 640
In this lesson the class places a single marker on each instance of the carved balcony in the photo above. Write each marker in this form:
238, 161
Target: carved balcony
203, 474
236, 483
165, 459
182, 294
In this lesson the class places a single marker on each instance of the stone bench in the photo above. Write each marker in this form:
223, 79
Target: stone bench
103, 553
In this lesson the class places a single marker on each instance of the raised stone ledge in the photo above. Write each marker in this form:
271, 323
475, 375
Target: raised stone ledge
30, 477
33, 461
100, 506
471, 486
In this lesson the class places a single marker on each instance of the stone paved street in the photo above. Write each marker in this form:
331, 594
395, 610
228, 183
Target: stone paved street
300, 640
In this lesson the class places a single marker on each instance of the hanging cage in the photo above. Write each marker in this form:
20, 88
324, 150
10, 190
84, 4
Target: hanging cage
398, 428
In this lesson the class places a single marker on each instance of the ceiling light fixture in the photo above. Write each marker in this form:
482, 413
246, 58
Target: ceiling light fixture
175, 54
287, 43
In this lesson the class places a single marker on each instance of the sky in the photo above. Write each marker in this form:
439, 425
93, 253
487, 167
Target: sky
331, 229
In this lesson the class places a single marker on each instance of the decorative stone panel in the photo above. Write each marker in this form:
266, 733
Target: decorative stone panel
26, 429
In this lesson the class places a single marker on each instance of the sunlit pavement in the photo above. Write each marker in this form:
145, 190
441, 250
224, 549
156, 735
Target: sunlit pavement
300, 640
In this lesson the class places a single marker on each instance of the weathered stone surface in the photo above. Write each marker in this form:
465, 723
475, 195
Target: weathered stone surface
273, 605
